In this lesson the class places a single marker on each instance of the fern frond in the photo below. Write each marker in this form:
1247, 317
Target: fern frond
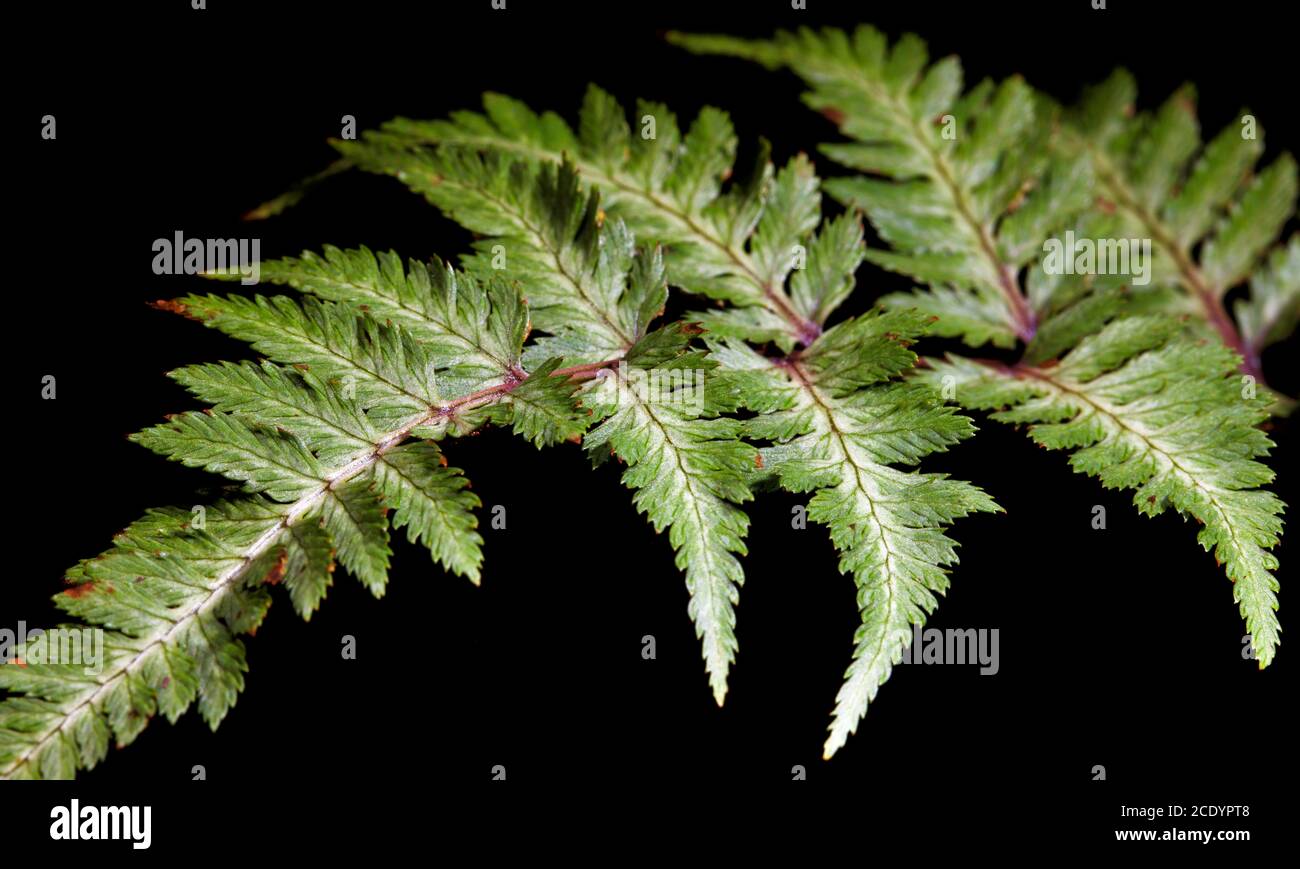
332, 427
374, 355
740, 247
960, 185
595, 296
660, 413
965, 215
470, 330
432, 502
1210, 213
320, 450
1146, 408
390, 374
840, 421
542, 230
736, 244
1272, 310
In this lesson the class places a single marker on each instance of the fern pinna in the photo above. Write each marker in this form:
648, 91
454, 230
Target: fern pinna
339, 433
970, 188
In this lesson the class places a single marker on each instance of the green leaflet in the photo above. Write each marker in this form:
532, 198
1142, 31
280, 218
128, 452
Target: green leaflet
688, 468
432, 502
840, 420
470, 331
543, 232
265, 460
382, 367
1147, 409
961, 186
1210, 214
1271, 311
331, 426
736, 241
153, 661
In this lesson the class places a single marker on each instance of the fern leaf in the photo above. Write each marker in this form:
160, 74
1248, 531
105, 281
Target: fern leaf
264, 460
158, 593
740, 246
841, 421
432, 502
595, 296
1211, 215
736, 244
542, 230
470, 330
1148, 409
688, 467
331, 426
378, 353
319, 449
959, 185
390, 375
1272, 310
353, 515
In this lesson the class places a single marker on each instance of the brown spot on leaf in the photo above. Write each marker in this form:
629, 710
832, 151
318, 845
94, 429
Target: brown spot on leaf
834, 115
1105, 205
1019, 199
172, 306
442, 459
758, 460
81, 590
276, 573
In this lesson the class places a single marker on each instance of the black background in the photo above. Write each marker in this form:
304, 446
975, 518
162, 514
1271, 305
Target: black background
1119, 647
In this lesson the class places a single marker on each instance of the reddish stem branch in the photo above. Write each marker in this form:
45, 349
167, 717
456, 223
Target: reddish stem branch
517, 376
